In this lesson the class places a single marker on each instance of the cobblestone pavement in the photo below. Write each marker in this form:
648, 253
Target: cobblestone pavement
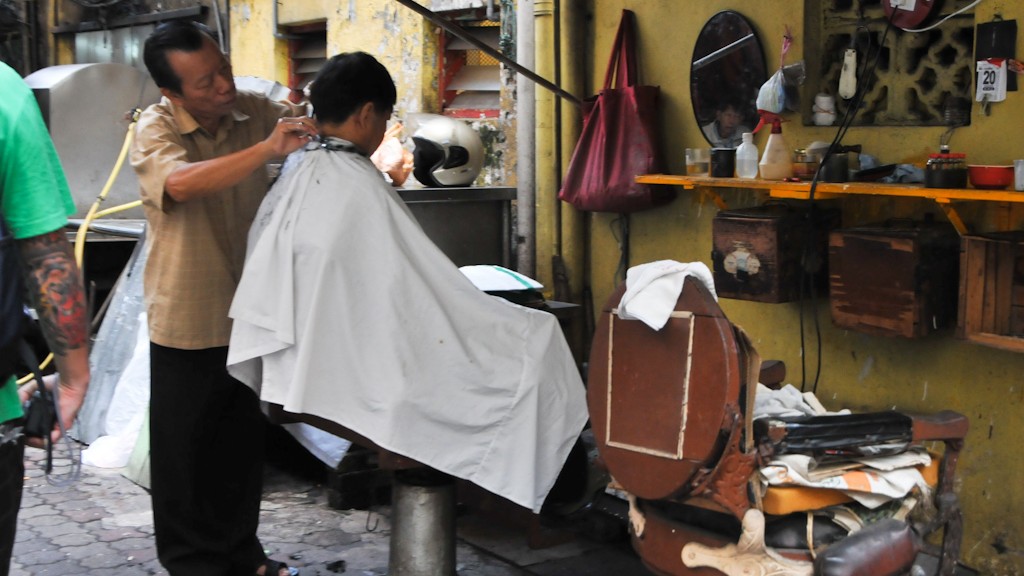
103, 526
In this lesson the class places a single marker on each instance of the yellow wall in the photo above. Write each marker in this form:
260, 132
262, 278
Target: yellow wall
859, 372
402, 40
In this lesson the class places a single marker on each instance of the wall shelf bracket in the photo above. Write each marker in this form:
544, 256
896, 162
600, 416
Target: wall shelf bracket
952, 215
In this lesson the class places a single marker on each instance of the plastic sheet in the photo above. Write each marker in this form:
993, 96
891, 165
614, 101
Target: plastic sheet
113, 348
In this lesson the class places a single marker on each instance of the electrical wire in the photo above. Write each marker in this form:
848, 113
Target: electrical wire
943, 21
844, 125
97, 3
622, 238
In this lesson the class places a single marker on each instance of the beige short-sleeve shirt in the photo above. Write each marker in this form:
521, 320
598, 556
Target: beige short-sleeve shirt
197, 248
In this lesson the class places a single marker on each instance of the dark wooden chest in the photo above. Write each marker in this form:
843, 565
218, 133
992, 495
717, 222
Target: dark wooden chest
759, 253
895, 278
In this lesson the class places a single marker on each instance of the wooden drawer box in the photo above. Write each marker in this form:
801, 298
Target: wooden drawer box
894, 279
992, 290
757, 252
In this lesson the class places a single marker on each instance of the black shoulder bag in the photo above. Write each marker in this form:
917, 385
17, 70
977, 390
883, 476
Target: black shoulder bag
12, 304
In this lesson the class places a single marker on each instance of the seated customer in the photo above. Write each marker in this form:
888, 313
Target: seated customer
347, 311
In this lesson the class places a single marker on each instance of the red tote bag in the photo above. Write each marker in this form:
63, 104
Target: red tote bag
619, 140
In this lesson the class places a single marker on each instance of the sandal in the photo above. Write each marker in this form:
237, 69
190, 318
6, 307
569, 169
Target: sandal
275, 568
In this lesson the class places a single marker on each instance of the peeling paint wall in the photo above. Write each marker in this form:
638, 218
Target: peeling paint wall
402, 40
254, 51
858, 371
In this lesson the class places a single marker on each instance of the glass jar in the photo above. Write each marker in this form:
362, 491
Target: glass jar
946, 169
805, 164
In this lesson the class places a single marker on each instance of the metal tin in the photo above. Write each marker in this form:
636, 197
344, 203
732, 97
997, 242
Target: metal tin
946, 170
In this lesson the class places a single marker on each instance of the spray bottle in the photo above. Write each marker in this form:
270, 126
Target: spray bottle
776, 162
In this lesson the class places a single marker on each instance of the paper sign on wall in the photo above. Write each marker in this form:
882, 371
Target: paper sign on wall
991, 80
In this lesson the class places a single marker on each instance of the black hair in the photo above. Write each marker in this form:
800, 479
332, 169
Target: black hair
728, 102
183, 35
346, 82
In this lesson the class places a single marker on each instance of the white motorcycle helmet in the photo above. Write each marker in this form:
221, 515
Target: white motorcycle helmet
448, 152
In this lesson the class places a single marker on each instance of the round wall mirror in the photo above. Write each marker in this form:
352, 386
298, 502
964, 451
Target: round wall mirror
727, 71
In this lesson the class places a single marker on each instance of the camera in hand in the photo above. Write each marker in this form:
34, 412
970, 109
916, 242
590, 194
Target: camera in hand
40, 415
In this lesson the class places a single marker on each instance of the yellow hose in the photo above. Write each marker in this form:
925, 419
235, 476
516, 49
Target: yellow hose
121, 208
95, 213
91, 215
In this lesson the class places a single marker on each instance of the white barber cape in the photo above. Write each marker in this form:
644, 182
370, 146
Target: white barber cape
347, 311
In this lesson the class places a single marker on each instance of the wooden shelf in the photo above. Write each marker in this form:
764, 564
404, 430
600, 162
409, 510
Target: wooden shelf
945, 197
990, 313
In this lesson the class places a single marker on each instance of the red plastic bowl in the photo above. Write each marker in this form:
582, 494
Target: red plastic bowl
990, 177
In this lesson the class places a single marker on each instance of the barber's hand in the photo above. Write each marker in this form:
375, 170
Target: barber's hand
290, 134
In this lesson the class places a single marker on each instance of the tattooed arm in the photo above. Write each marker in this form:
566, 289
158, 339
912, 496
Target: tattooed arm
55, 288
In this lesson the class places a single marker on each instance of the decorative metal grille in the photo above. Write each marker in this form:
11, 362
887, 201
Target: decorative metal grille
920, 78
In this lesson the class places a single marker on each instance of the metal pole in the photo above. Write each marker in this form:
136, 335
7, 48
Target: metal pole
457, 30
423, 527
526, 144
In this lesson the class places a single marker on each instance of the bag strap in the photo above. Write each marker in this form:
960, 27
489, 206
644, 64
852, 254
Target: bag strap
11, 304
623, 54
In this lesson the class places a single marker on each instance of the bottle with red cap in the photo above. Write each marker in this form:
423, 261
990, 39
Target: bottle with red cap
776, 162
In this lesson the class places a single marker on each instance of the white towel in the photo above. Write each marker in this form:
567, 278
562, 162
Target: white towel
652, 290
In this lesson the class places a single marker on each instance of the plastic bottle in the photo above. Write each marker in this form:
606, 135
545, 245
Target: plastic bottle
746, 157
776, 162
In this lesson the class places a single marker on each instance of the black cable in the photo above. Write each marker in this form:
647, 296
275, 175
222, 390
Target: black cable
97, 3
848, 116
853, 107
622, 239
805, 277
817, 332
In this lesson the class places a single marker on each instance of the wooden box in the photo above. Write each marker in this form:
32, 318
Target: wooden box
758, 253
992, 290
894, 279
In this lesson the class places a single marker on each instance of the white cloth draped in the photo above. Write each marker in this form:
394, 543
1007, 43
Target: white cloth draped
652, 289
347, 311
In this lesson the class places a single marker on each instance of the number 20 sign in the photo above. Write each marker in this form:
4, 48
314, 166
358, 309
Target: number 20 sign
991, 80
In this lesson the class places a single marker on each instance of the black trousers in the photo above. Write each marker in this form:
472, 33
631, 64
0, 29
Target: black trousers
206, 462
12, 476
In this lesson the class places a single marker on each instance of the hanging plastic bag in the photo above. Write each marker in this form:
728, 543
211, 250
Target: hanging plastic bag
392, 158
772, 96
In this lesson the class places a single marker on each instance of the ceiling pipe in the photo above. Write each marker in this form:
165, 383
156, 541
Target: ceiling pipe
220, 27
457, 31
277, 27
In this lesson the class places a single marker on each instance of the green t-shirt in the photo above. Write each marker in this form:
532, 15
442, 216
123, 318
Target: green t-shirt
34, 195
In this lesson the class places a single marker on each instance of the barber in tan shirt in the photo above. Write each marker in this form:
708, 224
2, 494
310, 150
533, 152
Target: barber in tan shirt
201, 156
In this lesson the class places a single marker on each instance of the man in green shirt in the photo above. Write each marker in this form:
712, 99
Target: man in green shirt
35, 203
